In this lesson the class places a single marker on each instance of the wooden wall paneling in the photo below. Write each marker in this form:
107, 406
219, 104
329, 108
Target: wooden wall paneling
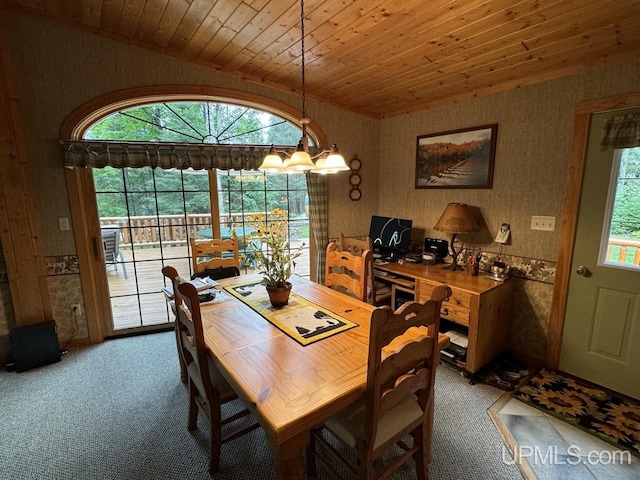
91, 13
150, 19
190, 24
86, 221
19, 228
130, 18
235, 53
209, 26
225, 34
376, 58
169, 22
110, 15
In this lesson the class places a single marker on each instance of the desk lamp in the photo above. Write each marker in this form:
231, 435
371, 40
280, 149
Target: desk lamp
456, 218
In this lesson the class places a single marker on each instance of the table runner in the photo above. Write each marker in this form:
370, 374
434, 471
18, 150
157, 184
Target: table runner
302, 320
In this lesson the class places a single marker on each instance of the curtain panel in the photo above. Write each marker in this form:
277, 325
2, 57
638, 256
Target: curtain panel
317, 187
97, 154
621, 131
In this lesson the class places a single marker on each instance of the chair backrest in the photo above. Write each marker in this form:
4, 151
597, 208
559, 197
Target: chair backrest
190, 335
357, 246
214, 253
348, 271
402, 363
185, 354
110, 243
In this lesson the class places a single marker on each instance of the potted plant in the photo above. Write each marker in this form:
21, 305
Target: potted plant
277, 262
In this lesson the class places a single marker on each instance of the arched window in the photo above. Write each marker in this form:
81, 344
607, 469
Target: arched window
196, 122
158, 202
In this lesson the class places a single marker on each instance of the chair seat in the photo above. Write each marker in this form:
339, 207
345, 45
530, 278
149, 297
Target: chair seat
217, 380
348, 426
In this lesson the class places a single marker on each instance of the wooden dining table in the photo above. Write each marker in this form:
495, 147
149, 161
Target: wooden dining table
288, 387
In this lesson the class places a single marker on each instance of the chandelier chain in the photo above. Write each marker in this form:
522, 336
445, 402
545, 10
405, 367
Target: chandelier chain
304, 90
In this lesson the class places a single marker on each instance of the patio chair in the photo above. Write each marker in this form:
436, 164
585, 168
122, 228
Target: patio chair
111, 245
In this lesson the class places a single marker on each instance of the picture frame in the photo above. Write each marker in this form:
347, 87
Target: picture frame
457, 159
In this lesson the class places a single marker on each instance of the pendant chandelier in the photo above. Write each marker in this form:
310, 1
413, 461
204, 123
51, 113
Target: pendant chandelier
328, 161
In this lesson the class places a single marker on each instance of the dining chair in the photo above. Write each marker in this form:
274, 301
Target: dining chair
398, 401
347, 272
217, 273
111, 245
214, 253
208, 390
378, 293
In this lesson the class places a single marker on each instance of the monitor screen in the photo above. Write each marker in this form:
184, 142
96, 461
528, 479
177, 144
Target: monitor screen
389, 235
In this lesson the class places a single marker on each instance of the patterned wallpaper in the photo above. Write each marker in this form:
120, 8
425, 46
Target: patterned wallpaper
65, 290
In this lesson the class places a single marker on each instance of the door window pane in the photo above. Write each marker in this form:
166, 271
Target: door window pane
621, 245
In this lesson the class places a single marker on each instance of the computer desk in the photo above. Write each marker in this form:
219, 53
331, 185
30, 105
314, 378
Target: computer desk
479, 306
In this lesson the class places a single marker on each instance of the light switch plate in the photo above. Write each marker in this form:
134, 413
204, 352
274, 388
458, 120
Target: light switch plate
547, 224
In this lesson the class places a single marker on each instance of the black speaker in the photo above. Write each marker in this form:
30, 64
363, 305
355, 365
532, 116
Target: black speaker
34, 345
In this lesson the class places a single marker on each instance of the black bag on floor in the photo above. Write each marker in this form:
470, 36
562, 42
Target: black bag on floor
34, 345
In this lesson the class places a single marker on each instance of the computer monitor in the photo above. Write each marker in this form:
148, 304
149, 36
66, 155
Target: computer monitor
390, 236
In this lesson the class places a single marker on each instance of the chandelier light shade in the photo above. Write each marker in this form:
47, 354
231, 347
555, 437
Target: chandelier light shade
301, 161
335, 161
456, 218
272, 162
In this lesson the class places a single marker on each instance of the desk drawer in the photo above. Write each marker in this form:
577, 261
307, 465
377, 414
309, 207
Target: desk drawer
455, 314
456, 308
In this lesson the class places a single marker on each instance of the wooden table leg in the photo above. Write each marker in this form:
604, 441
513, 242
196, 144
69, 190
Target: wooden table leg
289, 463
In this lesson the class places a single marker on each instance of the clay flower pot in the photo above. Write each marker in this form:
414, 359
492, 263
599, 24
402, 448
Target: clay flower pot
279, 295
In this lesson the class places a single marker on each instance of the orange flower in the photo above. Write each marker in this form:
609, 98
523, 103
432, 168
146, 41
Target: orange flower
611, 431
561, 402
626, 418
545, 377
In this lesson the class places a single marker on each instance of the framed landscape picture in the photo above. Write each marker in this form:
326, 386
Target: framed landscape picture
457, 159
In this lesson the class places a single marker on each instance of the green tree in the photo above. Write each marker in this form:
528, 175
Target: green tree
625, 220
194, 122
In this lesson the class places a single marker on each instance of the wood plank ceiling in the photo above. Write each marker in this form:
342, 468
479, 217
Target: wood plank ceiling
381, 58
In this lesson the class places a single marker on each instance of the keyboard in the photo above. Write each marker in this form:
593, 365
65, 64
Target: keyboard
380, 273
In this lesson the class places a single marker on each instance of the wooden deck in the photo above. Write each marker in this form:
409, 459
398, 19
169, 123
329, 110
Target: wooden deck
138, 301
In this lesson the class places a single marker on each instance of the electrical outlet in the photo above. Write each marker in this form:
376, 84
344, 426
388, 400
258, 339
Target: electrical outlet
547, 224
63, 223
76, 309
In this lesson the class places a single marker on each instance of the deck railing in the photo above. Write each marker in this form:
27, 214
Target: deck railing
624, 251
171, 229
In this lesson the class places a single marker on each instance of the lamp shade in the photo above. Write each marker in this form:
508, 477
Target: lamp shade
272, 162
335, 161
321, 167
300, 160
457, 218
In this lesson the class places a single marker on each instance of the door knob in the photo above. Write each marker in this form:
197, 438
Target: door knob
584, 271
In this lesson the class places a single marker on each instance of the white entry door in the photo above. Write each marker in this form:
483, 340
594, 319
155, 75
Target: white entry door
601, 338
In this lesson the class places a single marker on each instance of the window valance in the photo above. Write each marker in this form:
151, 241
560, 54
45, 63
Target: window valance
99, 154
621, 131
